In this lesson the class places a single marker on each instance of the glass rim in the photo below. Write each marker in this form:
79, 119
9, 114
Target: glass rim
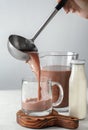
34, 79
57, 53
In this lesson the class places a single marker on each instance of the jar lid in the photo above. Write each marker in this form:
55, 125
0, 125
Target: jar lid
78, 62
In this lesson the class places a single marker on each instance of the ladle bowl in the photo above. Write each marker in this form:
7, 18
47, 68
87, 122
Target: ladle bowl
18, 47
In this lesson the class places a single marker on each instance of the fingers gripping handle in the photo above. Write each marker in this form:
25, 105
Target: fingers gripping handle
61, 4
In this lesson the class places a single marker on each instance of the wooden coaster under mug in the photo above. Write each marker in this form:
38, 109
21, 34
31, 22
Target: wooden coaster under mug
54, 119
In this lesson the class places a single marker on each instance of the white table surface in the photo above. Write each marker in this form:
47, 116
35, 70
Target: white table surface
10, 103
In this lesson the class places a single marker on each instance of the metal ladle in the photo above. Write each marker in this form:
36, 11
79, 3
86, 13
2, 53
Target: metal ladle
18, 46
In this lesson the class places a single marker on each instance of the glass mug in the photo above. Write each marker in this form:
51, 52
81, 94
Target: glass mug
57, 67
31, 104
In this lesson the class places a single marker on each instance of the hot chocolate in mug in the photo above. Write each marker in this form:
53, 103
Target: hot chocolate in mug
37, 98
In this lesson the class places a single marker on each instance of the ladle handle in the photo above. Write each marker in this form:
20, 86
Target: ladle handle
57, 8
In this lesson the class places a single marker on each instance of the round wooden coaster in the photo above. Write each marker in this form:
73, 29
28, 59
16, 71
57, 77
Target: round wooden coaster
54, 119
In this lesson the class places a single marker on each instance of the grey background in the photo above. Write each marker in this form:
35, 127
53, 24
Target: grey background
24, 17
